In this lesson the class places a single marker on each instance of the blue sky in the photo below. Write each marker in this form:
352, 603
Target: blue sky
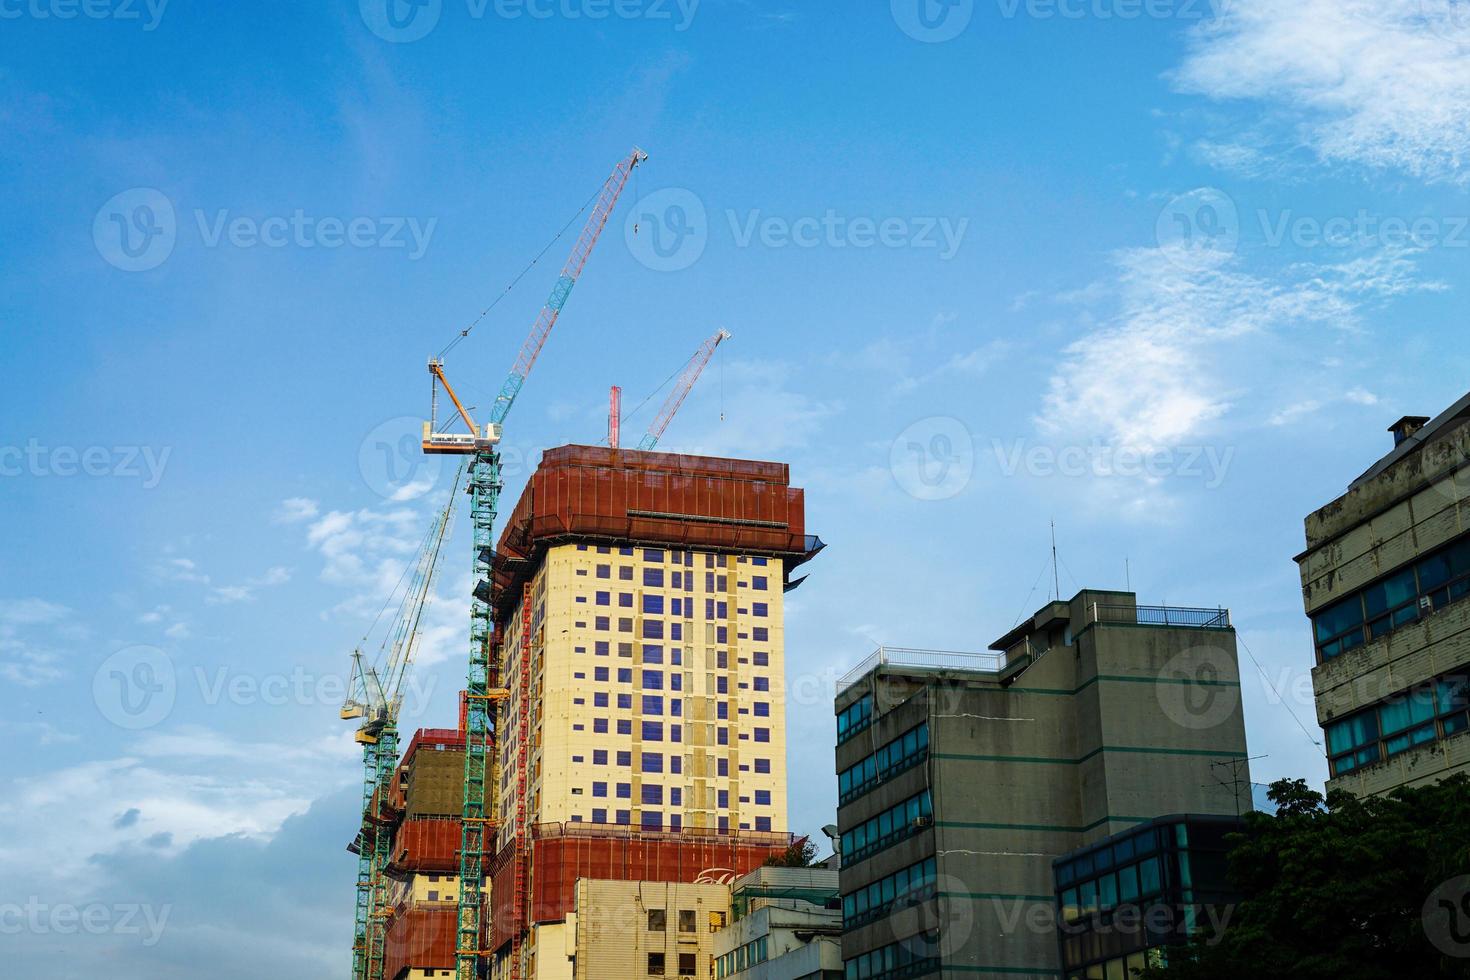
1161, 272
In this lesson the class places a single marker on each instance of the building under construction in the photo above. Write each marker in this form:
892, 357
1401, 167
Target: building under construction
638, 614
639, 747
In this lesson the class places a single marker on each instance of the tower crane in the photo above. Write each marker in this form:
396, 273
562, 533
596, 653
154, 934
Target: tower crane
682, 387
375, 696
483, 690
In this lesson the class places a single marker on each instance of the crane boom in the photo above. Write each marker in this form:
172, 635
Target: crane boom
607, 199
686, 381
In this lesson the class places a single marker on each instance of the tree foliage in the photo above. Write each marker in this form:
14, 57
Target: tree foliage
801, 854
1343, 888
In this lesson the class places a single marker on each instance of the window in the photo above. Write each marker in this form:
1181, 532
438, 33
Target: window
887, 828
763, 824
599, 673
625, 758
854, 718
762, 797
759, 609
758, 582
599, 789
653, 793
625, 726
762, 683
601, 623
762, 734
760, 659
657, 919
1434, 711
687, 961
653, 731
624, 817
604, 598
653, 603
625, 675
1396, 600
653, 578
652, 762
625, 573
653, 704
599, 757
601, 648
604, 571
653, 554
762, 709
599, 725
653, 680
653, 654
625, 791
763, 765
599, 699
653, 629
599, 815
625, 701
625, 600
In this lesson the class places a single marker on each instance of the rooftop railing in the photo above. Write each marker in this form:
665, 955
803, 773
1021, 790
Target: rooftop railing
927, 659
1218, 618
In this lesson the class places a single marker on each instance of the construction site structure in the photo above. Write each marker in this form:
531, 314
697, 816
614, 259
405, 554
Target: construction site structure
483, 689
638, 605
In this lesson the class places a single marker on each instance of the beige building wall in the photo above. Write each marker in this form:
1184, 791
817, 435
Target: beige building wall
1382, 525
642, 657
624, 930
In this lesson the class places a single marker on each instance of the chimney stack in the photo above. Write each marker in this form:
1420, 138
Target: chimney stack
1407, 426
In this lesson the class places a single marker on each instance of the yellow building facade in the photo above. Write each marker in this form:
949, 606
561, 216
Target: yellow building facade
655, 697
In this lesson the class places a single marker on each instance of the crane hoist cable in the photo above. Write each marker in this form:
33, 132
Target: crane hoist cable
519, 276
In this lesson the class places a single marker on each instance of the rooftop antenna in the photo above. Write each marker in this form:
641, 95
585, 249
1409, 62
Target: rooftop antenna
1055, 579
1127, 575
1235, 766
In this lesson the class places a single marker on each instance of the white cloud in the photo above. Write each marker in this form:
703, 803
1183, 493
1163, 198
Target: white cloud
1383, 83
1156, 375
25, 660
293, 510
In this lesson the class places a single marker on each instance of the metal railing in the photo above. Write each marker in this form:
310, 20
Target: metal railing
930, 659
1218, 618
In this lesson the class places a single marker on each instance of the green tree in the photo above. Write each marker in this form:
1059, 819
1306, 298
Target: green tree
801, 854
1343, 888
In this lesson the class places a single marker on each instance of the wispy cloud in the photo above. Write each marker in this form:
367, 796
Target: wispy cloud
27, 628
1381, 83
1156, 374
294, 510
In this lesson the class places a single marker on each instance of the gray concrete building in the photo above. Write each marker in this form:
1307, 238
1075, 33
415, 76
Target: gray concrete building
1384, 576
785, 924
962, 777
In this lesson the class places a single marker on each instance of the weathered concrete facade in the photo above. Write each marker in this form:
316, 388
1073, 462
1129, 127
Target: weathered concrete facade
1093, 716
1383, 544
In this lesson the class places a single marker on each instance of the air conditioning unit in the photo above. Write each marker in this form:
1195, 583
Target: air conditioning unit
925, 821
1426, 604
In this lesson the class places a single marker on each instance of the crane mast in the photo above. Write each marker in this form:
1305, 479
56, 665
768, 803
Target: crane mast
375, 696
682, 387
483, 684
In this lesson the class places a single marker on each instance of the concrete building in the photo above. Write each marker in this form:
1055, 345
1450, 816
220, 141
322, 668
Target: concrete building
630, 929
786, 924
1125, 900
639, 615
1385, 571
961, 777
